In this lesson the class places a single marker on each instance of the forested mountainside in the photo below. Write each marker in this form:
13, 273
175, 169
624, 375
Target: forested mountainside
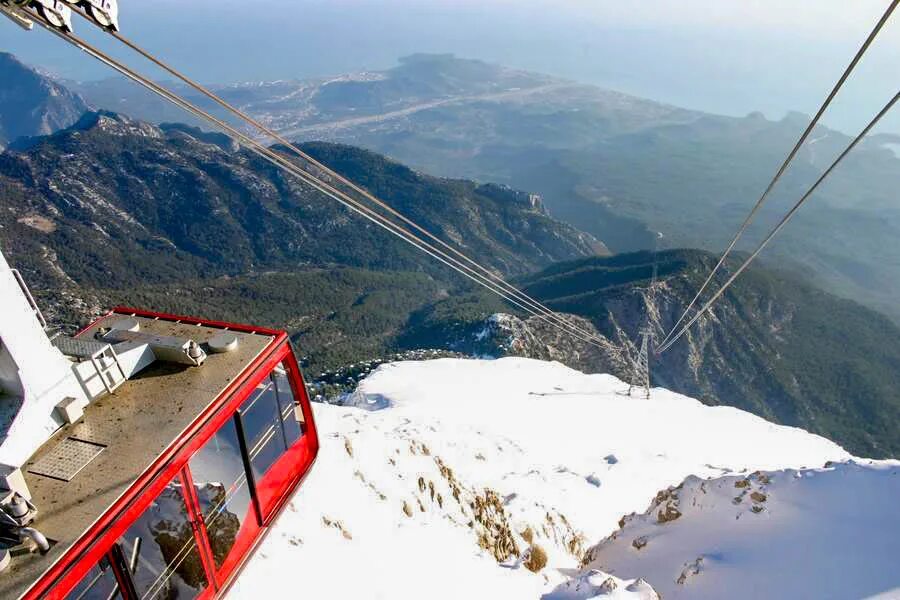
33, 104
613, 165
116, 202
114, 210
775, 346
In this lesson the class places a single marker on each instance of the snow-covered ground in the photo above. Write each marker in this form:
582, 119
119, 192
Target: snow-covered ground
820, 533
460, 467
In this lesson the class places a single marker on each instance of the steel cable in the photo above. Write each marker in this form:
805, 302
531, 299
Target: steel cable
323, 187
359, 189
522, 296
665, 346
790, 158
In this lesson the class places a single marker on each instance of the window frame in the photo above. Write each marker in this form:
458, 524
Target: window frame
250, 527
262, 400
191, 519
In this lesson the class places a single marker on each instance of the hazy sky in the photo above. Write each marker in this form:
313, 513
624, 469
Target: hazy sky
725, 56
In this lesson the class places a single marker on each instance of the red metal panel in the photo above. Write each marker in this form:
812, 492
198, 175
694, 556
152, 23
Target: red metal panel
87, 551
124, 310
298, 386
286, 469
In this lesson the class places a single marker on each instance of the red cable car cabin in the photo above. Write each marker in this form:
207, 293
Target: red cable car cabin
184, 470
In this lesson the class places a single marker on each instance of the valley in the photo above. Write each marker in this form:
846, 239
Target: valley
102, 227
613, 165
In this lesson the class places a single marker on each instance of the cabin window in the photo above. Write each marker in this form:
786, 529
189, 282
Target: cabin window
270, 422
99, 584
291, 412
223, 491
161, 549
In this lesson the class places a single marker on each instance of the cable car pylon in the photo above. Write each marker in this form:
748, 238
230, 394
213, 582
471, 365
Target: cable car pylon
640, 374
640, 368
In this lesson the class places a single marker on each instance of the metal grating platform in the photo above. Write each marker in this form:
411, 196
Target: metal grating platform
95, 433
65, 460
78, 347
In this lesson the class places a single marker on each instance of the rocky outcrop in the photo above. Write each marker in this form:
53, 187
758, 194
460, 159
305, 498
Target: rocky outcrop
772, 345
503, 334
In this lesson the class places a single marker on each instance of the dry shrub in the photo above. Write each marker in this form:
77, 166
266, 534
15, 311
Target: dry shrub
528, 535
537, 559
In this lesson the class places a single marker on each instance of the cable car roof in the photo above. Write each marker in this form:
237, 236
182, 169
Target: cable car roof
119, 438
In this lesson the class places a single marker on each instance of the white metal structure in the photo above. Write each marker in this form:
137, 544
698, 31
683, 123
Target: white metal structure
46, 383
35, 378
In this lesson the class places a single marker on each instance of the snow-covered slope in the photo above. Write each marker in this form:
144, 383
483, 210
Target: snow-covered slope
817, 533
461, 467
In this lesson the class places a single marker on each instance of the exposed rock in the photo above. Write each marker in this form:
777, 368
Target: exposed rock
667, 503
598, 584
667, 514
690, 569
608, 586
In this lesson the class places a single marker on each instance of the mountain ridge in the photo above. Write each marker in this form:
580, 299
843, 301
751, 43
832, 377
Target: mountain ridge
32, 103
136, 185
117, 211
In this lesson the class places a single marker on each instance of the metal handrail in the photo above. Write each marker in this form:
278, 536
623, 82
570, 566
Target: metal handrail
34, 305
